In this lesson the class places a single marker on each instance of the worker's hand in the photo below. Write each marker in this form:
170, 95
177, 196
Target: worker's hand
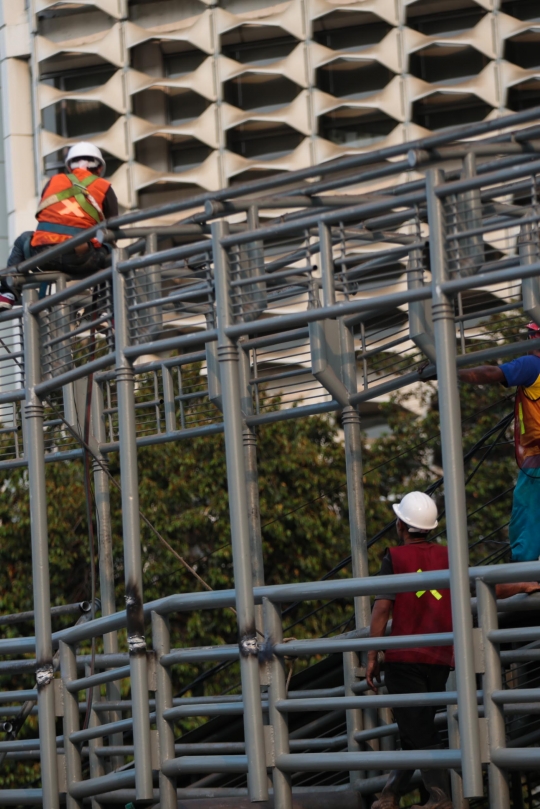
421, 372
373, 672
532, 587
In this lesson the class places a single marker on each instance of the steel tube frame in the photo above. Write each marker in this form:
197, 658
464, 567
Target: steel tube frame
499, 794
454, 494
132, 539
238, 508
164, 701
35, 454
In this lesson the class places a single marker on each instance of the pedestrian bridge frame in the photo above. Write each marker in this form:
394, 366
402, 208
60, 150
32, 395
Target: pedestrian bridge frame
321, 290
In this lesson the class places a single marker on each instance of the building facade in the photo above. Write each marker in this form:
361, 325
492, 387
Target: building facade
190, 95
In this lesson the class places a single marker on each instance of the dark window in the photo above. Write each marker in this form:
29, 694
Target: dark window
439, 63
256, 91
355, 128
439, 110
524, 96
443, 16
186, 105
188, 154
253, 141
524, 50
522, 9
352, 36
347, 77
178, 64
260, 52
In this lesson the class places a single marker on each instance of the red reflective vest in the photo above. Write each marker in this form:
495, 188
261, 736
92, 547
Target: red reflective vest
421, 612
527, 429
70, 203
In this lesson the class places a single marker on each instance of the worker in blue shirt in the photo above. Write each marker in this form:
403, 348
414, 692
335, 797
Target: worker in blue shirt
524, 374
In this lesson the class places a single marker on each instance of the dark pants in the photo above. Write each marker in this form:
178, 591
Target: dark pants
73, 264
416, 724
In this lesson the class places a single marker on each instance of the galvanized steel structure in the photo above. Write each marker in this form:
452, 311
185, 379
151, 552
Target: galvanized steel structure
286, 307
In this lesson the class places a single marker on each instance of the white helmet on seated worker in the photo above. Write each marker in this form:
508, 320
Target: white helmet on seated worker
85, 155
418, 511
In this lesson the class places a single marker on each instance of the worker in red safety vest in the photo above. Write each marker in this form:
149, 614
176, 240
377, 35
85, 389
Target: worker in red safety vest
70, 203
422, 669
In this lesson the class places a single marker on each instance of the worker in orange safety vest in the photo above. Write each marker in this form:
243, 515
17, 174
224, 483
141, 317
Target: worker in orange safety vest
70, 202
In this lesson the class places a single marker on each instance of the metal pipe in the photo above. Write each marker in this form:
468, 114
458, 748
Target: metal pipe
106, 559
132, 538
34, 451
236, 476
385, 760
110, 676
68, 666
454, 495
499, 793
278, 691
164, 700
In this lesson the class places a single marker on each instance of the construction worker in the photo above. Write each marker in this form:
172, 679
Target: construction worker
523, 373
69, 203
419, 670
422, 669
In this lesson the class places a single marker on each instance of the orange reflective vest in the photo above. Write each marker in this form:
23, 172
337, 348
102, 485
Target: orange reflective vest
70, 203
527, 429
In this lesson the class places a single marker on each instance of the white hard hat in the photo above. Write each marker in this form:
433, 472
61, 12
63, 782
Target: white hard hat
417, 510
84, 150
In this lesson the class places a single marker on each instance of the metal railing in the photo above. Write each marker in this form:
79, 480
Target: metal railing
286, 298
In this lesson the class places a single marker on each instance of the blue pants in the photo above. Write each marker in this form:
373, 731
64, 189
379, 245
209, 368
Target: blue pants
524, 529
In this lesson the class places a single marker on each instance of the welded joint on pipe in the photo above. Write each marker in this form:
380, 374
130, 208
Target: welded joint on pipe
136, 644
44, 676
263, 650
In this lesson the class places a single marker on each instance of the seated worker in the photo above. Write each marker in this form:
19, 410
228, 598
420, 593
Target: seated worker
69, 203
423, 669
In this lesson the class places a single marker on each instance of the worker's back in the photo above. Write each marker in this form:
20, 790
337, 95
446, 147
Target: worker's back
424, 611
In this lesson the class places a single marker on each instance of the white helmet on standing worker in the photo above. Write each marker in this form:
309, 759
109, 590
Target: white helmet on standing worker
418, 511
85, 155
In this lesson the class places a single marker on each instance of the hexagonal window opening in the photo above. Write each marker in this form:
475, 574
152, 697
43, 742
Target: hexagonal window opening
252, 174
524, 49
162, 193
521, 9
349, 78
350, 30
260, 91
78, 119
355, 128
188, 153
257, 44
524, 96
446, 63
441, 110
174, 106
260, 140
165, 58
444, 16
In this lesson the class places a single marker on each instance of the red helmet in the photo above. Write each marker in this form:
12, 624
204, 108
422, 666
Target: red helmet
532, 326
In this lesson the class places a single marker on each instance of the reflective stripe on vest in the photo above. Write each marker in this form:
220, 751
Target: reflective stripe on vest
62, 230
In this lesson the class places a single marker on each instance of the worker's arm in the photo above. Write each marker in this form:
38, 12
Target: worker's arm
110, 204
508, 590
482, 375
379, 619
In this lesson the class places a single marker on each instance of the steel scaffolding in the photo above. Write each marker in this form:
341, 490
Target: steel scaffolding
285, 313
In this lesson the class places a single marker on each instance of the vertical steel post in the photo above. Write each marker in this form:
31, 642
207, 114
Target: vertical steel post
132, 539
106, 561
68, 667
278, 690
454, 496
236, 479
164, 700
499, 794
456, 782
357, 719
35, 454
